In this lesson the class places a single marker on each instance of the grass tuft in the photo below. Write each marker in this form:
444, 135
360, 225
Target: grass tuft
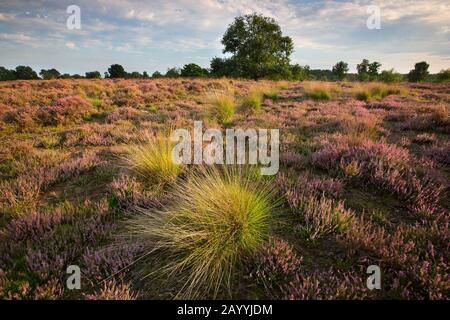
223, 105
152, 159
319, 90
368, 91
219, 217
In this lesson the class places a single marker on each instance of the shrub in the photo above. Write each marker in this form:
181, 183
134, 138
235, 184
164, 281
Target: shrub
123, 113
217, 218
65, 110
109, 261
223, 105
329, 284
385, 166
21, 117
439, 152
437, 120
443, 76
320, 216
126, 193
390, 76
152, 159
274, 265
113, 290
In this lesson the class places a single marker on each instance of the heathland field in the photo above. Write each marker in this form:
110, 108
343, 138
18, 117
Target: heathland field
86, 179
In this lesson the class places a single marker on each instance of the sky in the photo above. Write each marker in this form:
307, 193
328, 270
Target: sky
157, 34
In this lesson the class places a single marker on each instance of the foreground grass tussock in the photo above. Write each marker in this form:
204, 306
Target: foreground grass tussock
219, 217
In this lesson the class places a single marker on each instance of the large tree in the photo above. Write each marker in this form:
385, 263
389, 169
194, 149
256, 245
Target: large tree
25, 73
116, 71
257, 45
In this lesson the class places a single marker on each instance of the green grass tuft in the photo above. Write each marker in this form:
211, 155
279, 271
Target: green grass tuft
152, 160
223, 105
218, 217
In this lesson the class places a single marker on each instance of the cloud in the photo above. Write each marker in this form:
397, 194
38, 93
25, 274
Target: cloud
71, 45
163, 30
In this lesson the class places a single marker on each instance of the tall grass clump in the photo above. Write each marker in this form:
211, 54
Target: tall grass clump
253, 100
219, 217
319, 90
223, 105
366, 92
152, 159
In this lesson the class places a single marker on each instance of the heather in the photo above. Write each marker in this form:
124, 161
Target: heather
86, 179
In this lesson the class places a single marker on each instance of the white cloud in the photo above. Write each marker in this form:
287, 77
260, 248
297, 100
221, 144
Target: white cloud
71, 45
16, 37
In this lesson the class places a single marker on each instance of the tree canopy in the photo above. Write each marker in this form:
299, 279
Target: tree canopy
340, 69
116, 71
257, 46
419, 73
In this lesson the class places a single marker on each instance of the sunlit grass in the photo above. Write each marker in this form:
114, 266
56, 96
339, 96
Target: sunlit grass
319, 90
152, 159
223, 105
217, 218
368, 91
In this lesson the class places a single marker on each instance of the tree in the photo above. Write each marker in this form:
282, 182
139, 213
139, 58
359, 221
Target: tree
390, 76
49, 74
363, 67
25, 73
257, 45
6, 74
134, 75
419, 73
173, 73
157, 75
116, 71
93, 75
193, 70
373, 69
145, 75
443, 76
340, 69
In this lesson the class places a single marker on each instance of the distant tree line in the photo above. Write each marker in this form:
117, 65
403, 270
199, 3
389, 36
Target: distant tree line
257, 49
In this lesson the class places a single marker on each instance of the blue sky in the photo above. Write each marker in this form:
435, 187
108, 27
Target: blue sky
157, 34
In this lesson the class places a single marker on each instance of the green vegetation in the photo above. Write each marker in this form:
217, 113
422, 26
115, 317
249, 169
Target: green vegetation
219, 217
